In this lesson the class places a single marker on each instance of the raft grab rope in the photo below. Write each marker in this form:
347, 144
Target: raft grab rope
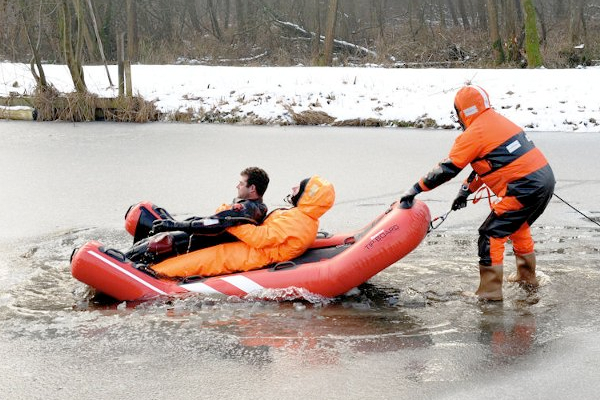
478, 196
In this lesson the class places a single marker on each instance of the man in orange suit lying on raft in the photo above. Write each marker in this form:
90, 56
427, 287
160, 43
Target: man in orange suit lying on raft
284, 235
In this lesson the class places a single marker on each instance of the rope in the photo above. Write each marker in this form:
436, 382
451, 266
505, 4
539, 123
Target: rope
564, 201
479, 196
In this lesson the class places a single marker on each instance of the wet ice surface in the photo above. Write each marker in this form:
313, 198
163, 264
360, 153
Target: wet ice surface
410, 329
411, 332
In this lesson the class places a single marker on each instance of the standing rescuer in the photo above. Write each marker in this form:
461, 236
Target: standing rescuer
504, 159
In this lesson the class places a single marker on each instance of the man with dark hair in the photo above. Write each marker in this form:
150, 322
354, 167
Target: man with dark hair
170, 237
256, 177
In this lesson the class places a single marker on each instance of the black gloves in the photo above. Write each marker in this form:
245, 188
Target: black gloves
407, 199
167, 225
461, 199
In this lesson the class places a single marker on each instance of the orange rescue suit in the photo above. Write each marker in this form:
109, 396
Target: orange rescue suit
507, 161
284, 234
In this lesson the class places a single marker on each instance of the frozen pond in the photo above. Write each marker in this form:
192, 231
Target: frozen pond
410, 333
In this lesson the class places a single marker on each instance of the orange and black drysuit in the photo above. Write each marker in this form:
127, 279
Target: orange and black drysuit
284, 234
507, 161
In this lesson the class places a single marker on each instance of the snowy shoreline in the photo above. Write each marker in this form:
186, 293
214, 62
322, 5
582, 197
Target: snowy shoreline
538, 100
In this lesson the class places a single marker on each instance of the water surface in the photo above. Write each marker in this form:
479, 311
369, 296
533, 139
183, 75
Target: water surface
411, 332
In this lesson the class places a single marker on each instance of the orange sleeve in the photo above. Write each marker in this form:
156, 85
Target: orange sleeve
466, 148
274, 231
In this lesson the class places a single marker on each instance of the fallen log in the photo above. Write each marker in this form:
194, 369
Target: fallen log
71, 108
19, 113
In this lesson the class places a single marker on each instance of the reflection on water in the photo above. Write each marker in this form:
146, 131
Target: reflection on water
508, 335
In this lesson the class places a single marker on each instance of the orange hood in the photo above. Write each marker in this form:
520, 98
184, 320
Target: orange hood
470, 102
317, 198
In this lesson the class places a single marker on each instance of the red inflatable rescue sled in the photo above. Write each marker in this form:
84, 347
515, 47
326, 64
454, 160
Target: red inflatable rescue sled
331, 267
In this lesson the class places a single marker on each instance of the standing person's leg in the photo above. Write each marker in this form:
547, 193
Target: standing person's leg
506, 218
523, 244
523, 248
491, 255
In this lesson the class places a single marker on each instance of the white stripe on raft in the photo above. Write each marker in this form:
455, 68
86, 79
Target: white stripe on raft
377, 234
199, 287
243, 283
124, 271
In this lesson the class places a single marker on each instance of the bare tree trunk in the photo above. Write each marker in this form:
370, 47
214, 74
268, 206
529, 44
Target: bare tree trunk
442, 14
495, 32
513, 28
74, 64
412, 5
330, 31
452, 12
540, 10
316, 41
40, 76
532, 40
84, 27
212, 11
227, 13
240, 15
81, 28
482, 22
132, 37
463, 14
577, 29
99, 40
190, 6
378, 4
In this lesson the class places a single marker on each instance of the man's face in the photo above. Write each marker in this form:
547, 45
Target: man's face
295, 190
245, 191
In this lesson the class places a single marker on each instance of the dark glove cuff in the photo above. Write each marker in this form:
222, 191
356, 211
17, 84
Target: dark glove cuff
416, 188
464, 191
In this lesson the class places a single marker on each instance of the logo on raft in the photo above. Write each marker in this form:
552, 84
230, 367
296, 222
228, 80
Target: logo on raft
379, 236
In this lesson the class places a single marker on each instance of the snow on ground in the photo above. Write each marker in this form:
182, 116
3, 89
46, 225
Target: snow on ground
539, 100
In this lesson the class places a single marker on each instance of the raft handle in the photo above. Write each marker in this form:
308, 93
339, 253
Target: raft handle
193, 278
349, 240
116, 254
75, 250
283, 265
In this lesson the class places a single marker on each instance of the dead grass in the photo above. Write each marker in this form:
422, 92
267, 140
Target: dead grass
310, 117
44, 101
132, 109
361, 122
52, 105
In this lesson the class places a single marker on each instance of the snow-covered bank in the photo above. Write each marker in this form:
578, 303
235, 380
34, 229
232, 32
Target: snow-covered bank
540, 100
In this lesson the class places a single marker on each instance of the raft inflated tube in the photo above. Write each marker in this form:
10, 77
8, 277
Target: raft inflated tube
331, 267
